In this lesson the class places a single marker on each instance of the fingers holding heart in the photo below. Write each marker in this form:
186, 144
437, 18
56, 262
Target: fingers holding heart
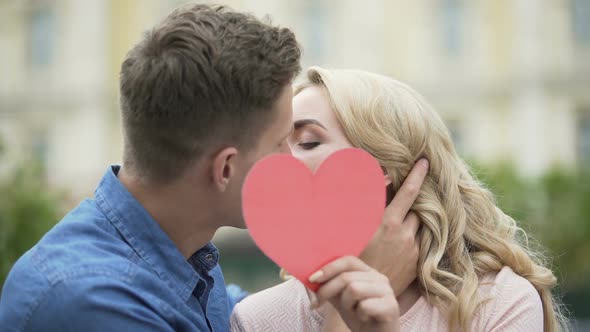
350, 279
358, 291
360, 294
381, 309
340, 285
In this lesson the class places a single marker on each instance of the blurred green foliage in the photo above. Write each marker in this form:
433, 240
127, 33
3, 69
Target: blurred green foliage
27, 211
554, 209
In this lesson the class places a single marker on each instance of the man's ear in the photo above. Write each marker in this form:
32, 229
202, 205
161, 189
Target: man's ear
224, 167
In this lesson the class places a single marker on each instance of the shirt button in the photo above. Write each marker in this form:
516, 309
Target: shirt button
209, 257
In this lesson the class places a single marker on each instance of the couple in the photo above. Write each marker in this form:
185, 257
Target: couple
206, 94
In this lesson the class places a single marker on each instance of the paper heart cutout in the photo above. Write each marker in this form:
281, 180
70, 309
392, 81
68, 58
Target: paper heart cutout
303, 221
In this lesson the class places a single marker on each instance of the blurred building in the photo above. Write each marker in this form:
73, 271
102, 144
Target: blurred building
511, 78
54, 96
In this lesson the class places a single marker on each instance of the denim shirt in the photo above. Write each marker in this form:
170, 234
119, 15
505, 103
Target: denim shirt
108, 266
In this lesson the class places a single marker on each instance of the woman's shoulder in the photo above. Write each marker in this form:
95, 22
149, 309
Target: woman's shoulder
509, 301
282, 307
290, 292
507, 283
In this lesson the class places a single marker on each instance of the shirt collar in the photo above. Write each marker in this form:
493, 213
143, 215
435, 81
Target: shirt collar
205, 258
150, 242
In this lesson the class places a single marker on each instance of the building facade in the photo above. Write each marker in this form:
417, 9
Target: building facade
510, 78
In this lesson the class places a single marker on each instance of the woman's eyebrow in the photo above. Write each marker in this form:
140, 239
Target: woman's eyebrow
304, 122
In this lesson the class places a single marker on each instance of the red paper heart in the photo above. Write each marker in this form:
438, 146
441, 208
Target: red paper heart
303, 221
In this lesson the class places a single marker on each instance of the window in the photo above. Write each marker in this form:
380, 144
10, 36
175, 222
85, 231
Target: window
581, 21
315, 16
41, 36
452, 21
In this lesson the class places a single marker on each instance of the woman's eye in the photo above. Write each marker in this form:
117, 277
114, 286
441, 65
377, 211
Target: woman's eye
309, 145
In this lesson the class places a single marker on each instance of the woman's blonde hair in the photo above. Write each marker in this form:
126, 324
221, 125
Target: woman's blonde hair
464, 234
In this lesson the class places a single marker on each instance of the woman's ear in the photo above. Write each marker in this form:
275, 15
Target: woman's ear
389, 192
387, 180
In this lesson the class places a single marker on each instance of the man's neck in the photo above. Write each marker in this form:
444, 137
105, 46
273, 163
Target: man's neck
180, 213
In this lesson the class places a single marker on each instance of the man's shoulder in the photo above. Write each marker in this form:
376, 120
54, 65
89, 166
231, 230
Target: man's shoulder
84, 243
67, 282
83, 249
71, 302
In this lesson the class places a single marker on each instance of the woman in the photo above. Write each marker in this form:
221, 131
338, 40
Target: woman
475, 269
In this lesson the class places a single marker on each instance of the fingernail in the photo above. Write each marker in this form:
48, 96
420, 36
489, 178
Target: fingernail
314, 300
424, 162
316, 276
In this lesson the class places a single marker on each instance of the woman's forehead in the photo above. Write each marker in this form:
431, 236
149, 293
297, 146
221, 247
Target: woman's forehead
312, 103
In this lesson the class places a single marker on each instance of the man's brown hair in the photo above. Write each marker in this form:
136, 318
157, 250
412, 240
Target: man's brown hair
204, 74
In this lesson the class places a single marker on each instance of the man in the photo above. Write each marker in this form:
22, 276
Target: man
204, 95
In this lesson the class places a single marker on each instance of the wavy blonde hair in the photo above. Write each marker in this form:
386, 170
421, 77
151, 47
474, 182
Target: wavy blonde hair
464, 234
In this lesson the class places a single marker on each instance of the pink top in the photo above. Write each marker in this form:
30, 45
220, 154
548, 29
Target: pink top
515, 306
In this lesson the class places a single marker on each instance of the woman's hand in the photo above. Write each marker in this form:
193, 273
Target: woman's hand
362, 296
393, 250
